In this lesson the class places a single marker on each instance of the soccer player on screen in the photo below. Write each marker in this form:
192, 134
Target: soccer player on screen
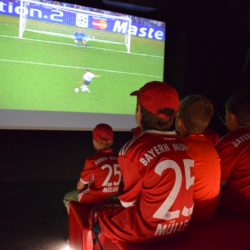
87, 79
80, 38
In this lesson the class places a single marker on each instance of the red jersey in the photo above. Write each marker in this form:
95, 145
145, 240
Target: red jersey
234, 151
207, 173
157, 197
102, 175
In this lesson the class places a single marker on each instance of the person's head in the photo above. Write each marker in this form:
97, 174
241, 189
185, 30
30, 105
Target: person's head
103, 136
194, 115
238, 110
157, 104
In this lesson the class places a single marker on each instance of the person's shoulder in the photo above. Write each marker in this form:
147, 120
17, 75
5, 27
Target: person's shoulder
197, 139
132, 144
148, 139
230, 139
92, 157
126, 147
233, 135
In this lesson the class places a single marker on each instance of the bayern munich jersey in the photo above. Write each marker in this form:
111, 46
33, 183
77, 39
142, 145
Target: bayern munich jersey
102, 175
207, 172
158, 187
234, 151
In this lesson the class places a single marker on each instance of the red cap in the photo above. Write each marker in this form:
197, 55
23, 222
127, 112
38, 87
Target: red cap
155, 96
103, 133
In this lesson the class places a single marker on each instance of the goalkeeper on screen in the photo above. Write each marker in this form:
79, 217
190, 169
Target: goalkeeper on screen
80, 38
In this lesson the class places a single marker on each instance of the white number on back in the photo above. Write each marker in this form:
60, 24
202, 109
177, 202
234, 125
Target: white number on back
163, 211
107, 182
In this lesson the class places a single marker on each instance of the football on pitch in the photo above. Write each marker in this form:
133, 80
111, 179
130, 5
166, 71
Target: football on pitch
76, 90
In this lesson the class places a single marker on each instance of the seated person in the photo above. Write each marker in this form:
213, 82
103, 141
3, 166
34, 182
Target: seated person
101, 175
192, 120
234, 151
157, 201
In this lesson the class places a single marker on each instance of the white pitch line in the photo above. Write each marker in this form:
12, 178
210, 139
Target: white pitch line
97, 48
74, 67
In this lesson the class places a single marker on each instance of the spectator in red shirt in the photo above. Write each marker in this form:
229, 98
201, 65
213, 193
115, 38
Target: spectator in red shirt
192, 120
157, 197
101, 176
234, 151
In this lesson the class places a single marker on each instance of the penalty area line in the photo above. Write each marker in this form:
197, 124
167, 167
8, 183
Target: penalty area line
74, 67
73, 45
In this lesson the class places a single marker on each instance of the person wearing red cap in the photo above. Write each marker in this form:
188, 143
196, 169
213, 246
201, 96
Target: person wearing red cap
192, 120
157, 198
101, 175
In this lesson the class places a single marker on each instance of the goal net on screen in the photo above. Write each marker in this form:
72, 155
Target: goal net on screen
63, 21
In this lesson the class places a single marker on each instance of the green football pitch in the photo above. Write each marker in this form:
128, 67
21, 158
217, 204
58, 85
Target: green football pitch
41, 72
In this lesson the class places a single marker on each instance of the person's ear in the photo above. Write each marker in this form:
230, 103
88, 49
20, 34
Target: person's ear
232, 121
180, 126
234, 118
138, 115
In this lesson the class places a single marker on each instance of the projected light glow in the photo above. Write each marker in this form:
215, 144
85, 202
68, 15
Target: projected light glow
43, 63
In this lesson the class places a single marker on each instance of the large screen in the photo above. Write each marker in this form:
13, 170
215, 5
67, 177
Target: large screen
68, 67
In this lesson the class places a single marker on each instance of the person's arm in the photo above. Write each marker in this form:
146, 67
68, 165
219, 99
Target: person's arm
86, 176
80, 185
228, 160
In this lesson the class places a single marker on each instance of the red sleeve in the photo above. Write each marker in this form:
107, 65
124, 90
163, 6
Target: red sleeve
227, 156
132, 182
87, 173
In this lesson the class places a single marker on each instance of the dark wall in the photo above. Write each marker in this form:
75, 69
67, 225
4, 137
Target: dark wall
47, 155
208, 51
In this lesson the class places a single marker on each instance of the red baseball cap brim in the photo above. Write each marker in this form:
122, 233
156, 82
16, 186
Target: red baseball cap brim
156, 96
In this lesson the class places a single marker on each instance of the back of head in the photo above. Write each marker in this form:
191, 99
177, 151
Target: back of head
159, 103
103, 135
196, 112
239, 105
